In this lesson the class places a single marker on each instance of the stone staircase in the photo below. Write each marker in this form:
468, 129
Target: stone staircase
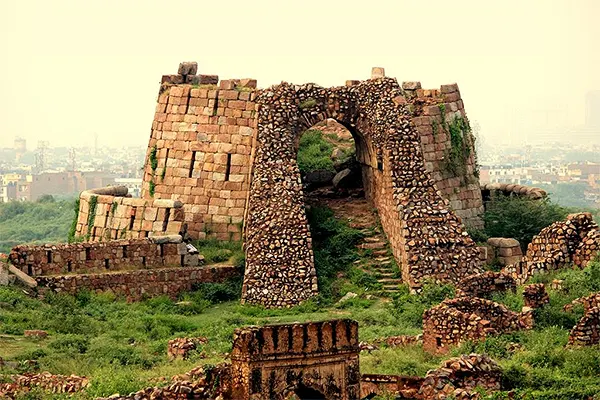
376, 256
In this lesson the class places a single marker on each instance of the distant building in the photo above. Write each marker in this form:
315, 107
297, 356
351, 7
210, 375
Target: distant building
592, 109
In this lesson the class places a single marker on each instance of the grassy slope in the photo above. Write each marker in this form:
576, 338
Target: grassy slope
34, 222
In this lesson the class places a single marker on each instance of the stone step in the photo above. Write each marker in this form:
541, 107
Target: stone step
380, 252
372, 246
390, 281
392, 288
373, 239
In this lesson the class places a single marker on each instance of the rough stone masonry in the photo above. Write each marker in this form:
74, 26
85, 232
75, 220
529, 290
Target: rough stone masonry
224, 153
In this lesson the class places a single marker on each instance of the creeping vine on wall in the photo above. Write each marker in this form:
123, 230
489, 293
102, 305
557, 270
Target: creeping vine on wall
153, 166
73, 229
461, 141
92, 213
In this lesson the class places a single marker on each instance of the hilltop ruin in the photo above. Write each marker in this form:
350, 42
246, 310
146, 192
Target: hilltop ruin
221, 162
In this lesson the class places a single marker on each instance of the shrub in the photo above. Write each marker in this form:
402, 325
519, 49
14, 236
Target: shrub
70, 343
218, 292
520, 218
334, 246
314, 152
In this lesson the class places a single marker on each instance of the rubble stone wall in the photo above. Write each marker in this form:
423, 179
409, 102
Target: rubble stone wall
280, 270
438, 114
139, 284
459, 377
484, 284
564, 242
276, 361
490, 190
109, 214
587, 330
98, 257
465, 318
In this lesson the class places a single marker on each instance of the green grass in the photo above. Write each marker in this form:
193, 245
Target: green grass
314, 152
221, 252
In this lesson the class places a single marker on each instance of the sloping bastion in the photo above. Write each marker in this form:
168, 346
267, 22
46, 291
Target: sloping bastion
224, 154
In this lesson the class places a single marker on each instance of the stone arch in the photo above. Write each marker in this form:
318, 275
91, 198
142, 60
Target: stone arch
427, 239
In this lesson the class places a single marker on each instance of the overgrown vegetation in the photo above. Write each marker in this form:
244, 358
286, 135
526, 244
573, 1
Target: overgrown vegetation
216, 252
91, 214
37, 222
153, 165
73, 229
520, 218
314, 152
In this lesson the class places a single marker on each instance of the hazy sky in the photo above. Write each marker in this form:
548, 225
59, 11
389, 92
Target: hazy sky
74, 68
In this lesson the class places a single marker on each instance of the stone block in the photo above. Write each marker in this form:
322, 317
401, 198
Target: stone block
188, 68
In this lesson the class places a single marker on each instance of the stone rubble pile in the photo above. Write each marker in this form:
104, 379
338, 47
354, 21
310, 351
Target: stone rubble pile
198, 384
558, 245
458, 377
19, 384
535, 295
182, 347
484, 284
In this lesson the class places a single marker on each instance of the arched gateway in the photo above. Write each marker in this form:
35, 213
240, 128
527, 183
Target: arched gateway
221, 163
426, 236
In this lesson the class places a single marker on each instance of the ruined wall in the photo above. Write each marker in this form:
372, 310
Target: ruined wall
535, 295
490, 190
425, 235
199, 151
587, 330
99, 256
109, 214
466, 318
138, 284
504, 251
274, 362
484, 284
448, 147
228, 153
574, 240
458, 378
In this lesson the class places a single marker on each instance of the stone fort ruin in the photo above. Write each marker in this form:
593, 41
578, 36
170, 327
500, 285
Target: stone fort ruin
221, 162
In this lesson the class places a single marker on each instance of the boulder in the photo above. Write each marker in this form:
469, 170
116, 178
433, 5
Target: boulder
346, 178
319, 177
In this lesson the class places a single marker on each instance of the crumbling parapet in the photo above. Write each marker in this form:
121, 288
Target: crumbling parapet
535, 295
490, 190
276, 361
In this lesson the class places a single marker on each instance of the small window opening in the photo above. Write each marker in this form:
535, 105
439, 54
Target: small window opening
438, 341
228, 168
192, 162
182, 262
380, 164
124, 251
132, 218
69, 266
166, 220
144, 261
162, 250
49, 256
29, 269
88, 254
106, 263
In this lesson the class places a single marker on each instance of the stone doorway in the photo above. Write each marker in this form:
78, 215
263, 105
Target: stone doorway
426, 237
